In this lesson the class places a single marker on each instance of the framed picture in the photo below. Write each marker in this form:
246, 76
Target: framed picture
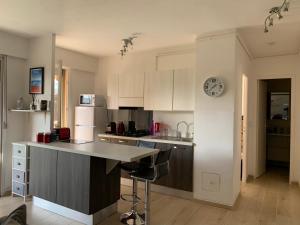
36, 80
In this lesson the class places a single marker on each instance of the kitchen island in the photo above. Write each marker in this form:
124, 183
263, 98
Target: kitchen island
79, 181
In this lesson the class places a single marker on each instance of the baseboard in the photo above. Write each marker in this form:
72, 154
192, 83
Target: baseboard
92, 219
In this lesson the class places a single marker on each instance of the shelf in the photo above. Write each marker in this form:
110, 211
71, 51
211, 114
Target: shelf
28, 110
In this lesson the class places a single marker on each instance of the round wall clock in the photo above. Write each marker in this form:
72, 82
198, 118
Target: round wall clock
213, 87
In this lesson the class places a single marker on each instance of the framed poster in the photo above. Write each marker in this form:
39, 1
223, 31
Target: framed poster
36, 80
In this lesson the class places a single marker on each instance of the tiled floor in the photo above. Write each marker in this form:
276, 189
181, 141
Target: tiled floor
269, 200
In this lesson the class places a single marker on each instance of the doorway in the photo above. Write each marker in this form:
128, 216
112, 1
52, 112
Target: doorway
61, 95
273, 126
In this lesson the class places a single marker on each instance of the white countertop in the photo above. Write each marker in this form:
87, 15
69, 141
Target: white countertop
100, 149
147, 138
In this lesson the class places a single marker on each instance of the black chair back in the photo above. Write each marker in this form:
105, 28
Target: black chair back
161, 164
147, 161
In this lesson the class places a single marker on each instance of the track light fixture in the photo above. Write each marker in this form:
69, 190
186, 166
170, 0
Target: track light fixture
128, 43
276, 11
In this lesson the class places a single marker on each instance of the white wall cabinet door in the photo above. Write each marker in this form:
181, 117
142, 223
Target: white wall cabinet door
112, 91
131, 89
184, 90
158, 93
131, 85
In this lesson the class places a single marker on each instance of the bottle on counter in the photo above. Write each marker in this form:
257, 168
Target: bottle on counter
152, 128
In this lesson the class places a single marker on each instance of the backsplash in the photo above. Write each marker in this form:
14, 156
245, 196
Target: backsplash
169, 121
141, 117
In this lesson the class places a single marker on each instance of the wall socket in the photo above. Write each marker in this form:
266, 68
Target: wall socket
211, 182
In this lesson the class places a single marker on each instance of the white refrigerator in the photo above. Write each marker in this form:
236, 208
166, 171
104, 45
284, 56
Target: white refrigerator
89, 122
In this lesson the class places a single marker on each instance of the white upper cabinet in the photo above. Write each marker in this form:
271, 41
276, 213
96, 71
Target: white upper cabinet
112, 91
158, 94
131, 85
184, 90
131, 89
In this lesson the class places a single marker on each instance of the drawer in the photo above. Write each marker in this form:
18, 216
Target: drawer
103, 139
20, 164
20, 151
20, 176
124, 141
19, 188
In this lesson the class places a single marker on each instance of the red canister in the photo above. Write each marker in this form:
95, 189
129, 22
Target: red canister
47, 138
40, 137
157, 127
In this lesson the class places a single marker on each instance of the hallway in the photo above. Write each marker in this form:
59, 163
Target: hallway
269, 200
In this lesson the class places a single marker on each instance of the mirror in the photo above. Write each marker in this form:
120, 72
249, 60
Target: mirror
280, 106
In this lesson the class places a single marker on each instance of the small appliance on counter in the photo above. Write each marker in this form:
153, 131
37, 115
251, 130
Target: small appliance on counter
91, 100
111, 128
58, 134
121, 128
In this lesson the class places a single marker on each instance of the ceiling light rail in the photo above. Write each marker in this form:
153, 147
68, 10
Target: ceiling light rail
276, 12
128, 43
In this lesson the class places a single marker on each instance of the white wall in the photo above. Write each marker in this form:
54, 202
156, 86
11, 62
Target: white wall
79, 83
272, 68
76, 60
216, 154
13, 45
16, 77
41, 54
81, 69
148, 61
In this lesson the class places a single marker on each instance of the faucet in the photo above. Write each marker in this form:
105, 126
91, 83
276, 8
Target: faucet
178, 133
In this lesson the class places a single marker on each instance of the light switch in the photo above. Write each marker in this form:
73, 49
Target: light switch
211, 182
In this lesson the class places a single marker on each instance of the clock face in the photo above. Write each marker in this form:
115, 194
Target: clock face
213, 87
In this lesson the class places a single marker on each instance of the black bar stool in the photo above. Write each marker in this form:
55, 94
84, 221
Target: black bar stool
149, 174
132, 216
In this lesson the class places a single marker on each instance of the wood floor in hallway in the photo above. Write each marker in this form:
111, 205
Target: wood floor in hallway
269, 200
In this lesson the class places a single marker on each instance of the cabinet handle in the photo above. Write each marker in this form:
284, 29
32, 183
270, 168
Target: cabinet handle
19, 164
175, 146
18, 176
18, 188
19, 151
103, 139
121, 141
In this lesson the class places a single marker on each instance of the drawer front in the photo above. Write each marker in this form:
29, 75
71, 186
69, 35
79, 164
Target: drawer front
19, 164
20, 151
124, 141
103, 139
19, 176
19, 188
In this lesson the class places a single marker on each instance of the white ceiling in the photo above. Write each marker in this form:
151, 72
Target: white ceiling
282, 39
97, 26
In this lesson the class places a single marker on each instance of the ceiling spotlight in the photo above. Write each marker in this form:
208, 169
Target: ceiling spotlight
128, 42
271, 23
266, 30
286, 7
279, 15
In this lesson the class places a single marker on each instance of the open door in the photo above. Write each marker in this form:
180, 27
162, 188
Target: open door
261, 128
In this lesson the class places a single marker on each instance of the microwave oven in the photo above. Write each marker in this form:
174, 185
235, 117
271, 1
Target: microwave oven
91, 100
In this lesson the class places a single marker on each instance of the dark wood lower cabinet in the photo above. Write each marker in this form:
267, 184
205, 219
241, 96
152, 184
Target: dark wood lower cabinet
181, 167
79, 182
43, 173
